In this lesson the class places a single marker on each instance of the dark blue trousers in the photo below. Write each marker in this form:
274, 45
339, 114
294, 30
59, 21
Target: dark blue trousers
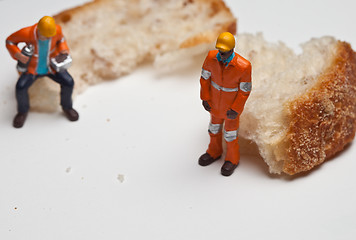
26, 80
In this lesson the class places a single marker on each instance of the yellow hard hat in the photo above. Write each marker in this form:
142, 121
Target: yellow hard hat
225, 42
47, 26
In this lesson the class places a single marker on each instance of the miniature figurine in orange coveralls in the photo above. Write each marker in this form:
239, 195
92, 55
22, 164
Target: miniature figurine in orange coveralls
225, 86
46, 54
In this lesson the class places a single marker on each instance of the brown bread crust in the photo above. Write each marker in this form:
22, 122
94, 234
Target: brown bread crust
216, 6
323, 120
66, 15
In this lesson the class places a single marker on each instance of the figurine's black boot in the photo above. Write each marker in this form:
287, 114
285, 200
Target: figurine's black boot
71, 114
206, 159
228, 168
19, 120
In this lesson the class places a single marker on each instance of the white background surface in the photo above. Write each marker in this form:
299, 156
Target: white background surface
59, 180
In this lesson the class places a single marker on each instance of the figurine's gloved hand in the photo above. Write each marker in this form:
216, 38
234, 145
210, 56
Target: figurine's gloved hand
231, 114
61, 57
22, 58
206, 106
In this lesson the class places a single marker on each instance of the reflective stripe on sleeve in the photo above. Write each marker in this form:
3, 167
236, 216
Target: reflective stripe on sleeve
230, 136
10, 42
245, 86
215, 128
205, 74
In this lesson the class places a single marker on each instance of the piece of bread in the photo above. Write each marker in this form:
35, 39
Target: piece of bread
109, 38
302, 108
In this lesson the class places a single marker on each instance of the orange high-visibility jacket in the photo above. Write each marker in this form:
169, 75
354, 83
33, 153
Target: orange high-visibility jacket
28, 35
225, 86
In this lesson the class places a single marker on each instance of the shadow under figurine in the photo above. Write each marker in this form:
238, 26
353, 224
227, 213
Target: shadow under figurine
46, 54
225, 86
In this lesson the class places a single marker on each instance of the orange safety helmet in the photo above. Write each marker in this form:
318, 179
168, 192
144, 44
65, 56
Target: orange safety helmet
47, 26
225, 42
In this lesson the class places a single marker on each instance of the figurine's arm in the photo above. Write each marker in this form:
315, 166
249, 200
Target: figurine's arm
205, 81
243, 92
23, 35
61, 42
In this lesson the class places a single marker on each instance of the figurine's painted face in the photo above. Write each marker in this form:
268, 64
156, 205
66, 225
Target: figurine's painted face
225, 55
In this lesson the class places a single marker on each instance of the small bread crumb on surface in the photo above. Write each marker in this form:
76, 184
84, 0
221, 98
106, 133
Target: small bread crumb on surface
121, 178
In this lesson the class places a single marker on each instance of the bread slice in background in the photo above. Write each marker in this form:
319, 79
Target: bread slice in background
302, 108
110, 38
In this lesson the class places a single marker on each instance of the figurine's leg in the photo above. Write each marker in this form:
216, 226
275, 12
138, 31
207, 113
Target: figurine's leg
23, 104
67, 84
215, 146
232, 152
22, 86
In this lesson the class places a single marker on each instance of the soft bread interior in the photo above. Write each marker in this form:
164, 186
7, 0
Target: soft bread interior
278, 77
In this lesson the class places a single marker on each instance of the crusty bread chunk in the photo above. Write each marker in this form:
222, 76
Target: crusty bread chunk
302, 108
109, 38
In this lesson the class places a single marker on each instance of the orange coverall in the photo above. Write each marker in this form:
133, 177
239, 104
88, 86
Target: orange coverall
29, 36
225, 86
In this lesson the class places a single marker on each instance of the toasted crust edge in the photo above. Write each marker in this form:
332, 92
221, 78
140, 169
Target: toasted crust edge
66, 15
205, 37
323, 120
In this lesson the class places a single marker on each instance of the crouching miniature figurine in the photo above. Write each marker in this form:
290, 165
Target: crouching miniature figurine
225, 86
46, 54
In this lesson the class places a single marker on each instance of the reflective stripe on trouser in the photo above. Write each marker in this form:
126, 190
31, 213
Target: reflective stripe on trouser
215, 148
215, 131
